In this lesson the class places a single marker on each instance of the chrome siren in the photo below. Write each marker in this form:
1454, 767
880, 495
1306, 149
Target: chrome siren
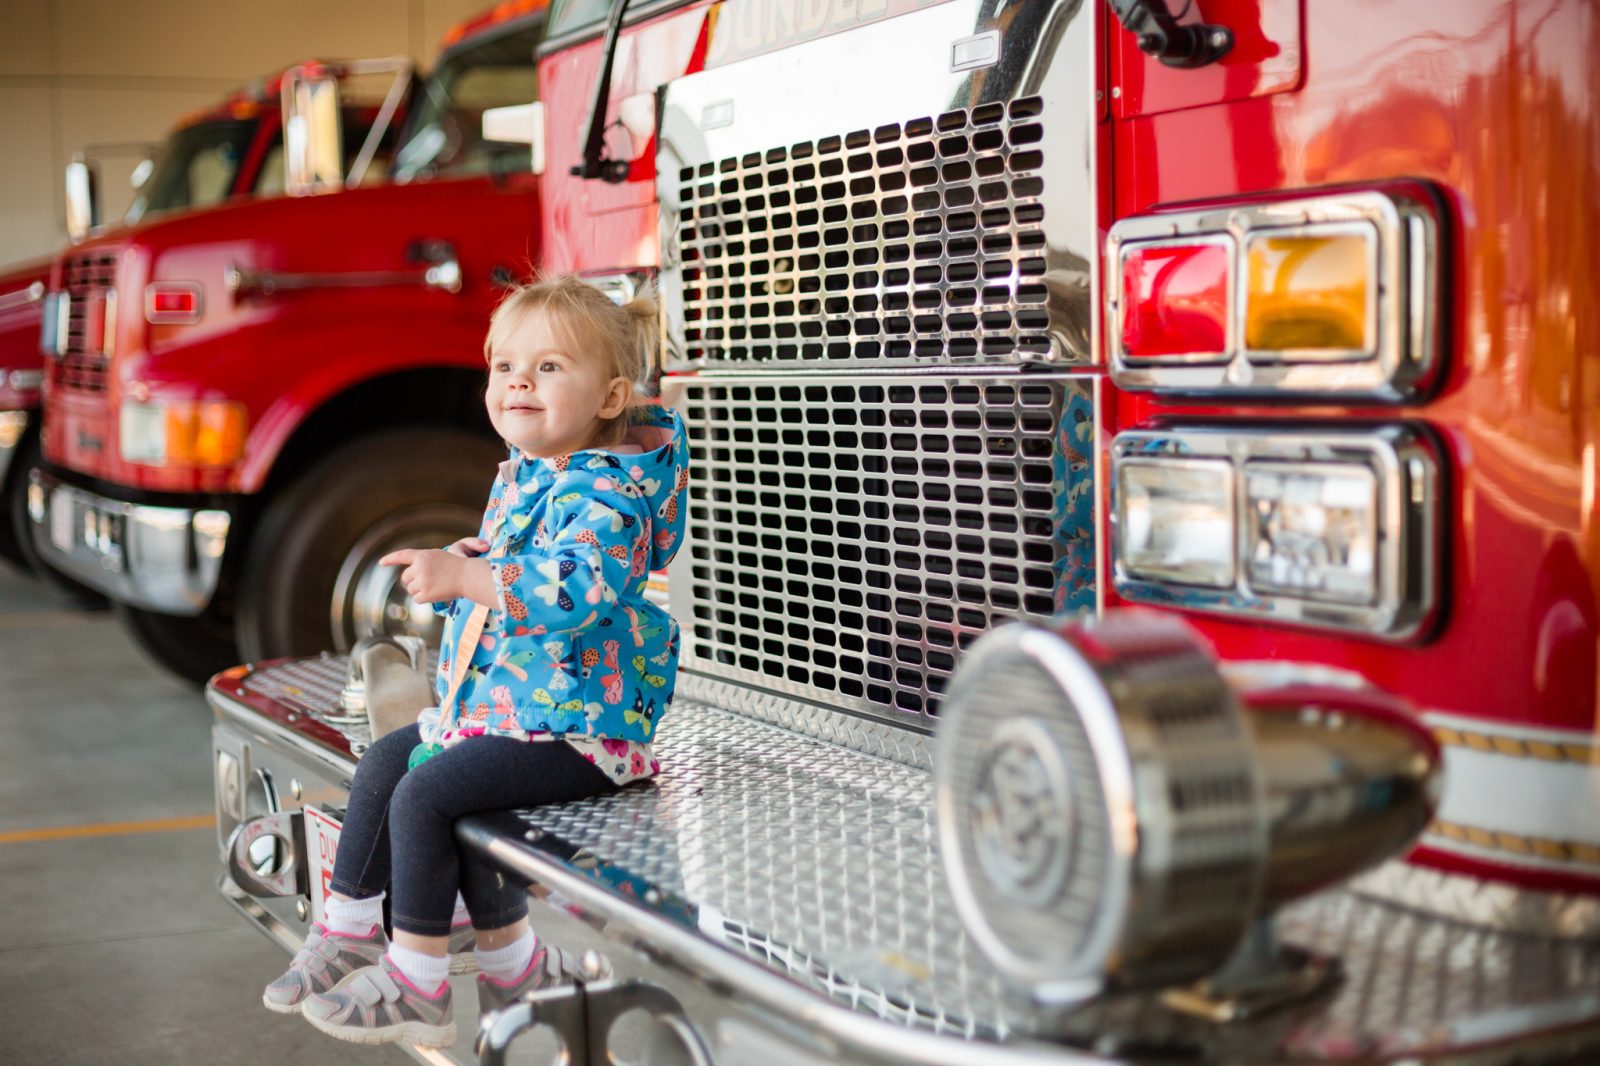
1113, 814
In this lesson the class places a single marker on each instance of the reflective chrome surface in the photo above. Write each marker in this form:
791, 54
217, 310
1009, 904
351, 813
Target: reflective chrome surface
164, 559
849, 536
1405, 360
1409, 533
1157, 835
897, 218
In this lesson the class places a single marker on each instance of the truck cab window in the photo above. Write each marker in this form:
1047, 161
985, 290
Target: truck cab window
567, 16
197, 166
445, 135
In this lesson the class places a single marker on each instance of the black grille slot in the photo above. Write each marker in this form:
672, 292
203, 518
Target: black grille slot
852, 538
809, 253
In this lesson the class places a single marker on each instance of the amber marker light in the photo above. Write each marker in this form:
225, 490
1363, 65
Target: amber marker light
209, 433
1175, 299
1311, 296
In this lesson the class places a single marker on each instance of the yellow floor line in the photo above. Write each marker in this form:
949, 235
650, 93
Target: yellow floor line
109, 829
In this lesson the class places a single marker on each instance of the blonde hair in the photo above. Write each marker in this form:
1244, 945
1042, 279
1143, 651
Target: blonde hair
621, 340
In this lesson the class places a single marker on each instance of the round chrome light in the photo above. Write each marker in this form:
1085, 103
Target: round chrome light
1099, 805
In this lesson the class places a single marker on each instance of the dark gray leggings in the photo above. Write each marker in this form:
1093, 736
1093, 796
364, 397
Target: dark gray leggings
399, 828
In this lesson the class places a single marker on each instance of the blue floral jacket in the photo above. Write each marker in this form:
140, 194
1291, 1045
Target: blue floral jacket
574, 647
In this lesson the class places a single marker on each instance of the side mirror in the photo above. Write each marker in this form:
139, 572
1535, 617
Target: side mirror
519, 124
83, 198
313, 148
142, 172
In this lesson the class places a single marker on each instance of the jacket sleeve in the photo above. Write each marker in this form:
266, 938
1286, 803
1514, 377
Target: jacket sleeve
592, 528
446, 608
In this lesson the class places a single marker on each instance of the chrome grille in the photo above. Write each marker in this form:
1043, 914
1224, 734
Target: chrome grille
87, 277
849, 537
919, 242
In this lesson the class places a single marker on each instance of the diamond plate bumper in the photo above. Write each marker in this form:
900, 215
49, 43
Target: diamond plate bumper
787, 891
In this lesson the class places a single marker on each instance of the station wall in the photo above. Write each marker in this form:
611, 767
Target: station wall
77, 72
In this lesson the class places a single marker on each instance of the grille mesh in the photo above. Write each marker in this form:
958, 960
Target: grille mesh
87, 278
920, 242
849, 538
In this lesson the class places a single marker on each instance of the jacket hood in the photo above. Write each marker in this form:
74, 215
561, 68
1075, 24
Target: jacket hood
654, 457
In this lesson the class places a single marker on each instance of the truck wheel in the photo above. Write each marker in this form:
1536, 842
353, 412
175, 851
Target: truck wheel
191, 648
312, 580
16, 528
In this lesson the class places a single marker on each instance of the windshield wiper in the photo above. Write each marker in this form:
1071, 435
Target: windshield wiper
595, 164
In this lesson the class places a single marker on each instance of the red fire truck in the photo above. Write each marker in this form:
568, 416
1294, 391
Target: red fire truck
231, 150
249, 405
1139, 596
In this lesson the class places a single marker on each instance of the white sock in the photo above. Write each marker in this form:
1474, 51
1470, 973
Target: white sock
460, 915
424, 971
353, 917
508, 963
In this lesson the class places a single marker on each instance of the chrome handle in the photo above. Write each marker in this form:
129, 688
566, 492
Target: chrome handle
22, 297
442, 273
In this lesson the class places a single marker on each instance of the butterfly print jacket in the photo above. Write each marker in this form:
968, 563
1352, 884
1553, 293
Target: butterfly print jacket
573, 647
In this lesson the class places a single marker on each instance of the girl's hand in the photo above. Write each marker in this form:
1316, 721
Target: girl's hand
434, 576
468, 547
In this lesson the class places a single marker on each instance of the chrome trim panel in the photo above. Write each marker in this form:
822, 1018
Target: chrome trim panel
1406, 358
898, 217
849, 536
164, 559
1409, 522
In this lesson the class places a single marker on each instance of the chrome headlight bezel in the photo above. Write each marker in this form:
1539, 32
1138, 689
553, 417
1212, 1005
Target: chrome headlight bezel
1405, 227
1405, 464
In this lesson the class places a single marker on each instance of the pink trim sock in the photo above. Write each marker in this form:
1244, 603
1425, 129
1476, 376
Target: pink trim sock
427, 972
353, 917
505, 965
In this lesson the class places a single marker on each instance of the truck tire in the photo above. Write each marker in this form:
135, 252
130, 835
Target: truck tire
16, 536
311, 582
191, 648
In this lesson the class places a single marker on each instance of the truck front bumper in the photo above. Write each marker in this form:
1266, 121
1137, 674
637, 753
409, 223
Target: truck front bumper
163, 559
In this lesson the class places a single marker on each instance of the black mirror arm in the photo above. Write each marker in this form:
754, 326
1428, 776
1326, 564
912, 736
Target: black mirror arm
595, 164
1195, 44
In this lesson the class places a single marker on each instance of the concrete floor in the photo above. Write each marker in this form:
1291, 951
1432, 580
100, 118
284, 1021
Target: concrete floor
114, 946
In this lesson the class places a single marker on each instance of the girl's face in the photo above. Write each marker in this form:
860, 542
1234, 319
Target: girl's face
545, 400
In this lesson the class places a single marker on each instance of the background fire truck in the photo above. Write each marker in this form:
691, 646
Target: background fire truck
228, 151
249, 405
1262, 338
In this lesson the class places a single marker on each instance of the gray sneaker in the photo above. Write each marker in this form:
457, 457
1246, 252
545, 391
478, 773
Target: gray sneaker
378, 1005
546, 969
462, 945
323, 963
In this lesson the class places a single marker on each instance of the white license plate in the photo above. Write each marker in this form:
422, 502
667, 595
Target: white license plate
322, 847
61, 515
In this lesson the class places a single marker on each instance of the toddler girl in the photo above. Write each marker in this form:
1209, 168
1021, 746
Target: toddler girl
554, 671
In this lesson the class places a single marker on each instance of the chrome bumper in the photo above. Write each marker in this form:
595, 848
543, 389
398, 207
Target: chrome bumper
164, 559
13, 424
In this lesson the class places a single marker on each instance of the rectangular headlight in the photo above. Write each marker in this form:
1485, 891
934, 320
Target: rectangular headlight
1330, 528
1312, 530
143, 433
1175, 521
